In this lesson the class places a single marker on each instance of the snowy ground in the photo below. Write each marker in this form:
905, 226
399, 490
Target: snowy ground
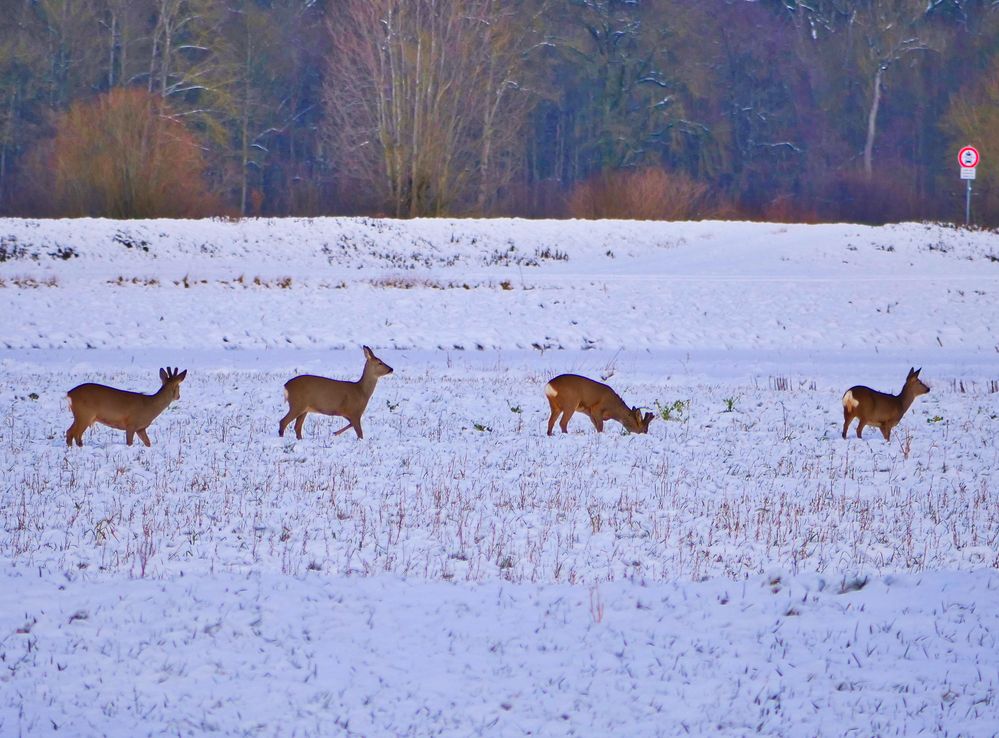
740, 569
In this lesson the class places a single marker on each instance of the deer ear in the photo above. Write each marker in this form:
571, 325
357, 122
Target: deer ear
649, 417
163, 375
917, 371
367, 352
182, 376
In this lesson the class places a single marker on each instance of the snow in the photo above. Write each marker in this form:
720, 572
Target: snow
266, 653
739, 569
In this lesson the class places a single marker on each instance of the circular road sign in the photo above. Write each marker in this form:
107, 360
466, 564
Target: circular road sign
968, 157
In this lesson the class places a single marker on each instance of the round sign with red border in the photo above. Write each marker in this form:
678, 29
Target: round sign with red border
968, 157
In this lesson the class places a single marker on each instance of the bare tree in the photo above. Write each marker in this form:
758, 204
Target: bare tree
73, 63
505, 99
418, 100
182, 47
124, 23
22, 54
890, 30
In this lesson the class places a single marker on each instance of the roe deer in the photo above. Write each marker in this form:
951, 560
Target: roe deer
307, 393
879, 408
131, 412
568, 393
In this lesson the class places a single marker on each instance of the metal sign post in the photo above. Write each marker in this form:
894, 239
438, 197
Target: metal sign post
967, 204
968, 158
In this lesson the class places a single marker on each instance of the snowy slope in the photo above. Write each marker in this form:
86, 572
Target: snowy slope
334, 283
739, 569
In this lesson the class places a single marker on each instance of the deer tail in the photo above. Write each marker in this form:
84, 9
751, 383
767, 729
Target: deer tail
849, 401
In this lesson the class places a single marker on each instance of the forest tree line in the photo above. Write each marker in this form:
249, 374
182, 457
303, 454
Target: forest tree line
774, 109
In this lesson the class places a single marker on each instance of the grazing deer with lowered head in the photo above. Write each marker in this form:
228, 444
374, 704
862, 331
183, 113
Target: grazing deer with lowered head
568, 393
310, 394
131, 412
879, 408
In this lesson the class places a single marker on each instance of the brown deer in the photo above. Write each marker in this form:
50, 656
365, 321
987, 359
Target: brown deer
568, 393
879, 408
307, 393
131, 412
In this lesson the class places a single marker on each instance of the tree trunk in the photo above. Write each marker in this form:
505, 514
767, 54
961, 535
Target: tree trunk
490, 107
114, 30
872, 121
245, 121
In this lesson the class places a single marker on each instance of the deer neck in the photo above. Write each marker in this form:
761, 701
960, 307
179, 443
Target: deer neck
367, 382
620, 412
159, 402
906, 397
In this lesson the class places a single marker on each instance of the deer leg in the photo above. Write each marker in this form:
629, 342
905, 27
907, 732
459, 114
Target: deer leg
299, 423
345, 428
566, 414
553, 416
292, 414
357, 427
847, 419
597, 416
76, 431
84, 427
886, 431
129, 437
141, 433
283, 423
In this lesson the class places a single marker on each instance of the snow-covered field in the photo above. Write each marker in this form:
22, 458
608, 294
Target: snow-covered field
740, 569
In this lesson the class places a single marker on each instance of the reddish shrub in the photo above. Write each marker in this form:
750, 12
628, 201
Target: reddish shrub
122, 155
644, 194
788, 209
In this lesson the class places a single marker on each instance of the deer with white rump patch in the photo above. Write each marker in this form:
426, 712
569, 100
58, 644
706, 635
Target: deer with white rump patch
568, 393
131, 412
879, 408
307, 393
